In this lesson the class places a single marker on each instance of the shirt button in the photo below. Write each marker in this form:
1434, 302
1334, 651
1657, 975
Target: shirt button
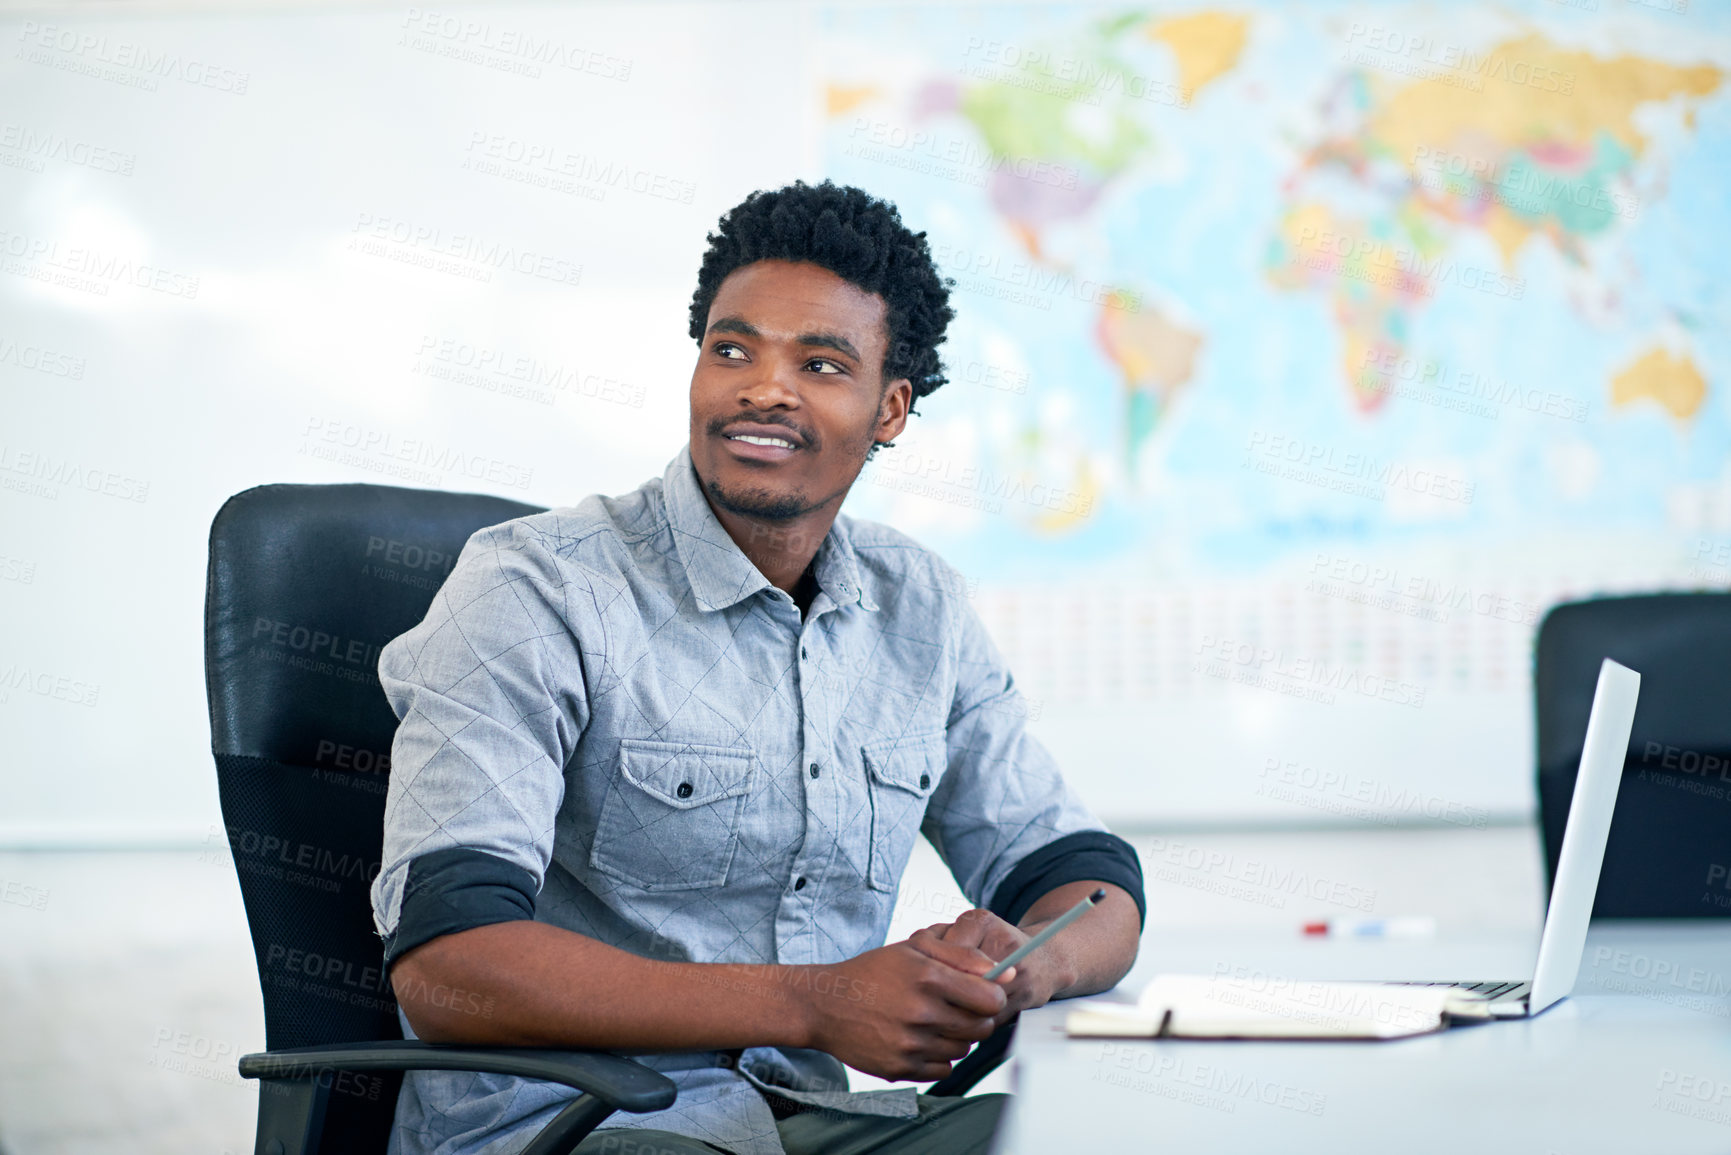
814, 769
925, 780
684, 790
799, 883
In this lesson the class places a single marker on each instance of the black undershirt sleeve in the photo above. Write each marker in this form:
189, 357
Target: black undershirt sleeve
455, 889
1086, 854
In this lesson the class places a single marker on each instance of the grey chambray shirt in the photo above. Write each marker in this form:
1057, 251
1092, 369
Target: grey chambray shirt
612, 718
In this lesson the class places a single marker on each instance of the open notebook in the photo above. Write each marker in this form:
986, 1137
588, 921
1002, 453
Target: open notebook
1270, 1007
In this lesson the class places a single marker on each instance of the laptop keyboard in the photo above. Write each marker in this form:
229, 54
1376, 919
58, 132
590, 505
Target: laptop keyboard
1490, 991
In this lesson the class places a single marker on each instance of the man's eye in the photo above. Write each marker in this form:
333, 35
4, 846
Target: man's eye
723, 347
833, 367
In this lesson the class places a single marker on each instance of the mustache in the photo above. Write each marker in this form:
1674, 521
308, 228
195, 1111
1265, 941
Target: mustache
720, 425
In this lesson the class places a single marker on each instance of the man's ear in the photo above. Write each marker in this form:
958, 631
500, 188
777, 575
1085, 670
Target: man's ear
898, 398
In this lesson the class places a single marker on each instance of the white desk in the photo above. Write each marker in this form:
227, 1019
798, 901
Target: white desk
1637, 1060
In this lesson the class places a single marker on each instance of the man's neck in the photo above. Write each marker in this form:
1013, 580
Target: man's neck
782, 551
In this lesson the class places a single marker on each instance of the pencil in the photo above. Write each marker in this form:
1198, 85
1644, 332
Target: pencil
1052, 928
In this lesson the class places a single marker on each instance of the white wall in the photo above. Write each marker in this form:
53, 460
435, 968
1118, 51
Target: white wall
162, 401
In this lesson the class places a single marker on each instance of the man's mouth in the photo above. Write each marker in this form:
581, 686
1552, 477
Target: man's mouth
760, 441
750, 440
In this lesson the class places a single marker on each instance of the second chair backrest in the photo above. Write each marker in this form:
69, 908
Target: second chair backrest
1670, 841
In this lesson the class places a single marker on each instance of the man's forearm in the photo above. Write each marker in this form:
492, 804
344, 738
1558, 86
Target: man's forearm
1098, 949
529, 984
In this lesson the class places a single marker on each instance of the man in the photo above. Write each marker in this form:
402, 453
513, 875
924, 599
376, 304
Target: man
663, 756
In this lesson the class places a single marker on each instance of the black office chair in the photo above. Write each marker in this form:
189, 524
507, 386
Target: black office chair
306, 584
1673, 817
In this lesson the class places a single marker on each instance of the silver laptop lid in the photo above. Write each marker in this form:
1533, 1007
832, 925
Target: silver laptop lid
1602, 756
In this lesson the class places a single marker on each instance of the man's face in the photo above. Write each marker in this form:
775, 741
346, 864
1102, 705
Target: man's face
793, 356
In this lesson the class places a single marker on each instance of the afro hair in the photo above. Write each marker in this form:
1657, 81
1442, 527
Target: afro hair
858, 238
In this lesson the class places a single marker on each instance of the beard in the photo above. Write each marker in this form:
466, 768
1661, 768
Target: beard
760, 503
765, 504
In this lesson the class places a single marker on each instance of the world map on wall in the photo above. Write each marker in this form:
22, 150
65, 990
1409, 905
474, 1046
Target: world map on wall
1233, 285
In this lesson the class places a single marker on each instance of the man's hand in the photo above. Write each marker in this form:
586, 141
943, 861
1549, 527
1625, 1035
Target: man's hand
898, 1012
1033, 982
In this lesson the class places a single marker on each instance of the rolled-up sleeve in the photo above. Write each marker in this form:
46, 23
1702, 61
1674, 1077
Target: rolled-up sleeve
1003, 818
490, 697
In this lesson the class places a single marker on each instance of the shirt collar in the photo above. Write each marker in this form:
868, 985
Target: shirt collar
718, 570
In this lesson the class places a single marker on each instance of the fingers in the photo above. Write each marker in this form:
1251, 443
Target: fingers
971, 927
962, 956
968, 991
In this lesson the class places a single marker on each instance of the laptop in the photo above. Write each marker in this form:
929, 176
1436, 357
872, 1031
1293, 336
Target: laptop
1565, 935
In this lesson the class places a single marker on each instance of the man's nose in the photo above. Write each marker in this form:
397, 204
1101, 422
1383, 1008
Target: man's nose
772, 386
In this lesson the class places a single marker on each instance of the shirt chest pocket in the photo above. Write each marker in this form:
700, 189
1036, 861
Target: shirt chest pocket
669, 819
901, 774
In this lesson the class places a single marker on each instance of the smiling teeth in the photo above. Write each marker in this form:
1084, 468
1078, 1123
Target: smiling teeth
761, 440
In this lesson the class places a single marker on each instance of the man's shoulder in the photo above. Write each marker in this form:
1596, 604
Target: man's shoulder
898, 564
596, 534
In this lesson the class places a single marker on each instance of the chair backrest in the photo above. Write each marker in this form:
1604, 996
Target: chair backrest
1670, 841
306, 584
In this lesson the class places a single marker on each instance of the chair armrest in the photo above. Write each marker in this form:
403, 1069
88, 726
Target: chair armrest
294, 1088
620, 1083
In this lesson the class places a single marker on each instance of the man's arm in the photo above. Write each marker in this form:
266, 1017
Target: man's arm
490, 692
1023, 845
897, 1012
1090, 955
